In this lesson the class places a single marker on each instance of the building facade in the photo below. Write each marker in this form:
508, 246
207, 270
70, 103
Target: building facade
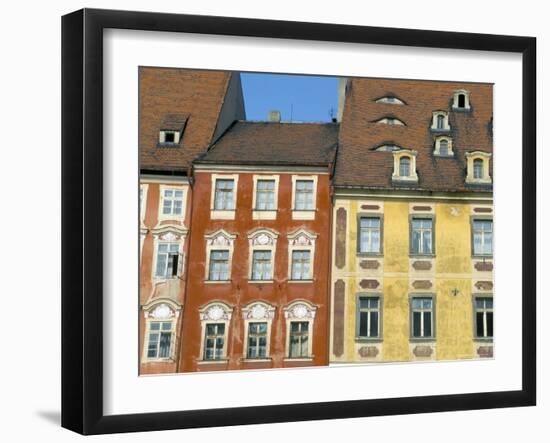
257, 292
181, 112
412, 233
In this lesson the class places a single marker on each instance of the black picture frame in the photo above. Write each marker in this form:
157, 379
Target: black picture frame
82, 215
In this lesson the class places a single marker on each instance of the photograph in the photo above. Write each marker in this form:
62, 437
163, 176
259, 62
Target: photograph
293, 221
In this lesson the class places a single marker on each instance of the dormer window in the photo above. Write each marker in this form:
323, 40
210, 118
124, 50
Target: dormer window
390, 100
167, 137
461, 100
388, 148
440, 121
390, 121
443, 147
404, 166
478, 167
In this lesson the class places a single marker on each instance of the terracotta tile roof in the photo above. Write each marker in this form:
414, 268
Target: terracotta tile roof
176, 97
275, 143
359, 166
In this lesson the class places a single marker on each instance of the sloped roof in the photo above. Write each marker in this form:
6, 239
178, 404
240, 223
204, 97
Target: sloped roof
358, 165
173, 99
275, 143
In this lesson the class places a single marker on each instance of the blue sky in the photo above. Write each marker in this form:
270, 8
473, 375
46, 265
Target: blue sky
310, 97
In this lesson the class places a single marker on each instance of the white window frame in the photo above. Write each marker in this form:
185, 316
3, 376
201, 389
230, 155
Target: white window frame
168, 234
301, 240
466, 99
435, 115
257, 312
304, 214
300, 311
478, 155
162, 136
161, 310
437, 147
397, 155
262, 240
211, 313
261, 214
423, 337
482, 219
219, 240
164, 217
483, 310
223, 214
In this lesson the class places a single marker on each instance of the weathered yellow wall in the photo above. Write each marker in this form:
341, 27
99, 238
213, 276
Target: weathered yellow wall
451, 276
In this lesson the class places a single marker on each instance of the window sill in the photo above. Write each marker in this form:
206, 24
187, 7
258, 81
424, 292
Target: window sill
370, 254
257, 360
422, 339
481, 257
214, 282
158, 360
298, 359
368, 340
165, 279
222, 214
426, 256
260, 281
221, 361
300, 281
457, 109
167, 145
303, 214
440, 130
261, 214
483, 340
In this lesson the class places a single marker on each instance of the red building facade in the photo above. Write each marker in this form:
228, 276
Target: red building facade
257, 283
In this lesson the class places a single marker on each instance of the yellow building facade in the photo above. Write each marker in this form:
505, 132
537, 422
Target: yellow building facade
391, 299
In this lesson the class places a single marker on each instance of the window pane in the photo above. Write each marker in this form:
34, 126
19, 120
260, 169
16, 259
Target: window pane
155, 326
416, 324
427, 324
363, 324
489, 324
164, 345
479, 324
161, 265
373, 324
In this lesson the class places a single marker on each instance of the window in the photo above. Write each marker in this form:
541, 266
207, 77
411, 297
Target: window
443, 147
422, 317
482, 237
390, 100
223, 199
301, 265
159, 339
421, 236
368, 317
172, 202
167, 260
299, 337
478, 168
405, 166
257, 340
390, 121
484, 317
261, 265
169, 137
265, 195
304, 195
461, 100
369, 235
219, 265
214, 341
440, 121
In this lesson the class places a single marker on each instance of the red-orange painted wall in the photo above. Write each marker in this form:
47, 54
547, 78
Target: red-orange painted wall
239, 292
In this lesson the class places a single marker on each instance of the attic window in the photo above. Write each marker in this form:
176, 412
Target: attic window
390, 121
478, 167
461, 100
440, 121
169, 137
390, 100
404, 166
443, 147
388, 148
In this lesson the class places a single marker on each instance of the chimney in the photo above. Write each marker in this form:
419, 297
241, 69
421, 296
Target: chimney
274, 116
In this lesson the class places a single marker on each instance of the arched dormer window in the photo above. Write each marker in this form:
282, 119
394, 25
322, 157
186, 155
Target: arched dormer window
461, 100
215, 318
219, 255
262, 249
440, 121
443, 147
258, 317
390, 100
404, 166
300, 318
390, 121
159, 342
478, 167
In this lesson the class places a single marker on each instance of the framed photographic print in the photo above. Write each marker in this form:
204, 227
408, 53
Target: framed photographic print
273, 221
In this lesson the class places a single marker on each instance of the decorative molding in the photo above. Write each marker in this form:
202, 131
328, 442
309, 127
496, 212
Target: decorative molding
215, 311
169, 232
485, 351
370, 207
422, 265
301, 237
368, 351
340, 238
369, 284
423, 351
258, 311
339, 318
484, 285
483, 266
263, 237
220, 238
300, 310
422, 284
483, 210
369, 264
